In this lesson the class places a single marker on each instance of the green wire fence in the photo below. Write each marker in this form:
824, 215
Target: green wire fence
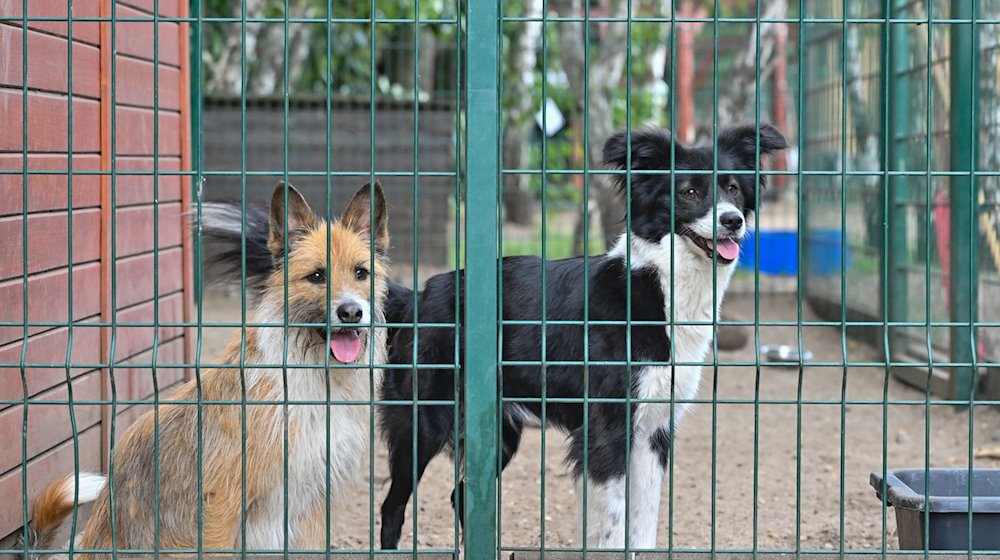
893, 202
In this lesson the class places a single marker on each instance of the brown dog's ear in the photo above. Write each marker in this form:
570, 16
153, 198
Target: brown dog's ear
358, 215
299, 215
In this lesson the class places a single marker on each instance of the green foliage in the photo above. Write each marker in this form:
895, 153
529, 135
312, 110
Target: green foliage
558, 242
558, 245
647, 104
558, 187
340, 63
339, 59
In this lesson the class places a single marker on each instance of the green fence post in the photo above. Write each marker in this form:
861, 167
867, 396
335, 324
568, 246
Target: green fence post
898, 105
806, 49
481, 223
194, 29
962, 144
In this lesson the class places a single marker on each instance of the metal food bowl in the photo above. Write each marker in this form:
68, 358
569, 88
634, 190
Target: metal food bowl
784, 353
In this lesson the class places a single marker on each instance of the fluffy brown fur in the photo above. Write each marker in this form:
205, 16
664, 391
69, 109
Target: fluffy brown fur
315, 474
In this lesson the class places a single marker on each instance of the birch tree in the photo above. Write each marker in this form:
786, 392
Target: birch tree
519, 104
737, 104
607, 63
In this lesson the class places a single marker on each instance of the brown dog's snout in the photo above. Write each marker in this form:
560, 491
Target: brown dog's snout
349, 313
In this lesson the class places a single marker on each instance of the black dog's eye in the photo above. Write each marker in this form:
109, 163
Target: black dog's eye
360, 273
733, 188
689, 193
317, 277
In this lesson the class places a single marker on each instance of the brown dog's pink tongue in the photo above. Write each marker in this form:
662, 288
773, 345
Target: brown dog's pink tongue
728, 249
345, 345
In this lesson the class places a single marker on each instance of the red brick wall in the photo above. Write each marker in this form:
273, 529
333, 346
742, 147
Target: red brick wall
112, 129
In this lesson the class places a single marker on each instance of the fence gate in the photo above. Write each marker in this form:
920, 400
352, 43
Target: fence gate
888, 191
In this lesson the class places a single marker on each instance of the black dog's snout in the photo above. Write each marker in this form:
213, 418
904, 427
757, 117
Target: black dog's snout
732, 220
349, 313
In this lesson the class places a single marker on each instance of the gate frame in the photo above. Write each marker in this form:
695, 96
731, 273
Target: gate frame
481, 385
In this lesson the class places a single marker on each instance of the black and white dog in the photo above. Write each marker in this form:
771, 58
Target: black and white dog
707, 230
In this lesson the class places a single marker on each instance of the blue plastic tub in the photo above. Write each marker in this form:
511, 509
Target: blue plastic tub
779, 252
825, 247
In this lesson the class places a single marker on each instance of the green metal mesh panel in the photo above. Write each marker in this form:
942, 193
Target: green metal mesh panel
905, 134
895, 121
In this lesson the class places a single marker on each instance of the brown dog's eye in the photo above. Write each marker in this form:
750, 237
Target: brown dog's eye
317, 277
360, 273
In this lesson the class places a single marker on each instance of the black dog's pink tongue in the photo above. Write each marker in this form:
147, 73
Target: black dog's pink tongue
727, 249
345, 345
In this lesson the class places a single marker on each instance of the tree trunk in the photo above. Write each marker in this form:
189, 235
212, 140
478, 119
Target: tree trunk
403, 72
428, 60
989, 186
518, 204
865, 131
224, 73
738, 105
266, 76
519, 119
607, 62
298, 50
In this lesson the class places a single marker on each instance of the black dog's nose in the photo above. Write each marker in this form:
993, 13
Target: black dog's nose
349, 313
732, 220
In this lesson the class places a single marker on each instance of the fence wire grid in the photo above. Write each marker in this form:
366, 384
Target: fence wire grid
886, 297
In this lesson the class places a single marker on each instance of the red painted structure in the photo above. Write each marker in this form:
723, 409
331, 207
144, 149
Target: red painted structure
95, 97
685, 83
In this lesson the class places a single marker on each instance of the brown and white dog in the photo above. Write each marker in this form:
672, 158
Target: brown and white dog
337, 255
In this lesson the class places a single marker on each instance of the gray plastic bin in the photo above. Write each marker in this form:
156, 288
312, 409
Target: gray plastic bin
948, 504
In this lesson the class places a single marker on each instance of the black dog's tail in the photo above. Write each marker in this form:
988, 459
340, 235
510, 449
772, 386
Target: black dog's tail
222, 227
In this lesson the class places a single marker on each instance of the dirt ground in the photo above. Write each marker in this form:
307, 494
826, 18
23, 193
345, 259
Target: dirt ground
816, 471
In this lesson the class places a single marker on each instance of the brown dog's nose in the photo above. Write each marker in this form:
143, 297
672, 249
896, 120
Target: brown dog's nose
349, 313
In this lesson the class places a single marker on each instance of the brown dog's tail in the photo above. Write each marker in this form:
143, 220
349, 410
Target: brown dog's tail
55, 503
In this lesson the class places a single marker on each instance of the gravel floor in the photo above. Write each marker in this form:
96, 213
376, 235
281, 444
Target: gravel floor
810, 485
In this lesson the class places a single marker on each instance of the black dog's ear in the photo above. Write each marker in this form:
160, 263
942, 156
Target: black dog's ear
616, 151
741, 141
650, 150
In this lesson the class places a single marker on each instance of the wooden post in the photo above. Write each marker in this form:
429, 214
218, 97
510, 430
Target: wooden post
684, 85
